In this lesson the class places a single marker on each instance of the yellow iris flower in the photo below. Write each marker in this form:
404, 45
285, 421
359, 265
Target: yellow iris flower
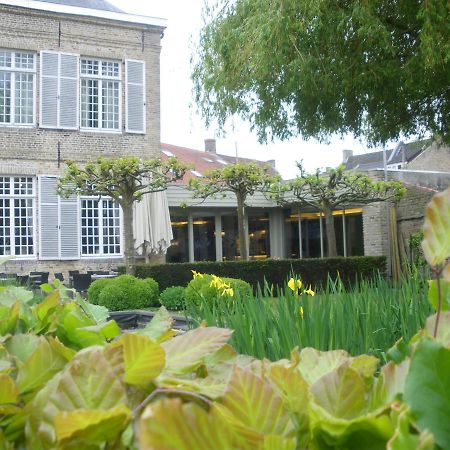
295, 285
196, 274
310, 292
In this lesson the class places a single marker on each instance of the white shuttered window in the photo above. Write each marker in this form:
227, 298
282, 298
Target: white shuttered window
135, 96
100, 94
59, 90
59, 229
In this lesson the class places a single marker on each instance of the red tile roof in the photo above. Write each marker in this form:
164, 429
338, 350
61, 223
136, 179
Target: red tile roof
204, 162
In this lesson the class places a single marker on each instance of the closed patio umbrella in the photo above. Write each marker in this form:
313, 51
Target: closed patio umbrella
152, 226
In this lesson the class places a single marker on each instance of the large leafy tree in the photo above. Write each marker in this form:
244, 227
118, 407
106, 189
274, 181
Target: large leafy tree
242, 180
377, 69
125, 180
337, 188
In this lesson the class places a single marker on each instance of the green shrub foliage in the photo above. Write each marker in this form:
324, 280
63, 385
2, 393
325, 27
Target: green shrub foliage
95, 288
312, 271
128, 292
202, 288
173, 298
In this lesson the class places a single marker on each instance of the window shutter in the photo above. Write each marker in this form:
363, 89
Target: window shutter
135, 96
59, 90
58, 233
49, 90
68, 92
68, 221
48, 219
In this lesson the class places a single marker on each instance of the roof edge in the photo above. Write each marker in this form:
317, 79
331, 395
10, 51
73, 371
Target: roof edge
87, 12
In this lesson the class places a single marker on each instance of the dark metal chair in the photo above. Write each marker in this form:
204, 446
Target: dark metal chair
23, 280
59, 276
81, 282
98, 272
37, 278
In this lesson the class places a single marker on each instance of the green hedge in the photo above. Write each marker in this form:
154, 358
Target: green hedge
313, 271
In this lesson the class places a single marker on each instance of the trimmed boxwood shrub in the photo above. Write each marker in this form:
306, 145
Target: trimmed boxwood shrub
126, 292
95, 288
313, 271
200, 287
173, 298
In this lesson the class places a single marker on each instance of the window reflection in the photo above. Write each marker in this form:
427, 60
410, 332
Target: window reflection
259, 235
204, 239
179, 248
230, 238
310, 233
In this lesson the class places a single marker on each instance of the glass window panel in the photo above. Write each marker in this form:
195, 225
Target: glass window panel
204, 239
5, 59
311, 238
24, 60
110, 105
24, 98
259, 235
16, 216
100, 96
89, 103
100, 231
230, 238
292, 248
179, 247
354, 234
5, 97
89, 67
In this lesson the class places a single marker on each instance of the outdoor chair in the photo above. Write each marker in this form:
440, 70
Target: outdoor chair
59, 276
98, 272
37, 278
23, 280
81, 282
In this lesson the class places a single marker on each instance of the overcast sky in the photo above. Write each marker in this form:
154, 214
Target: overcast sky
180, 125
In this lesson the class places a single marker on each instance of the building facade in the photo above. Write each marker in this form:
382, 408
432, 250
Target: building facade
78, 80
206, 230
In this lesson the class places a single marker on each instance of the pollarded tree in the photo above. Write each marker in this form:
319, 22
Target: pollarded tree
378, 69
125, 180
242, 180
337, 188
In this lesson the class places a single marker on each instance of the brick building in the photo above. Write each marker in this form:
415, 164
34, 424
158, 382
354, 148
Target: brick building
78, 79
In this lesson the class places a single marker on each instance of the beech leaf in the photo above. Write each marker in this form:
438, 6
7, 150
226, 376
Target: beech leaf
436, 229
427, 389
144, 359
255, 403
186, 352
169, 424
91, 426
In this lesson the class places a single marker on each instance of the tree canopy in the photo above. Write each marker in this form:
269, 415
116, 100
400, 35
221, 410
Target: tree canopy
378, 69
337, 188
242, 180
125, 180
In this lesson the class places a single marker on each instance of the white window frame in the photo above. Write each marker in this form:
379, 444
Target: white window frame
14, 70
11, 196
100, 255
101, 78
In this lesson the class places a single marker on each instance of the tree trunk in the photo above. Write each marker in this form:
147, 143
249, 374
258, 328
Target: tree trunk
241, 227
331, 233
129, 251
